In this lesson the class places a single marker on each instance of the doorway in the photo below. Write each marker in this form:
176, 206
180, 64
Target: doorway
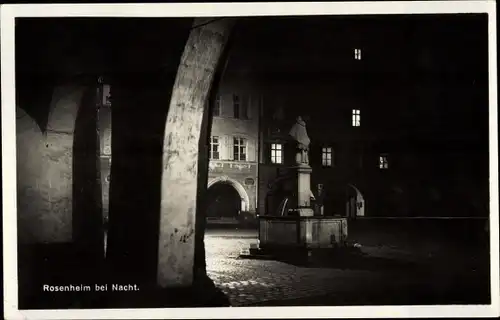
355, 202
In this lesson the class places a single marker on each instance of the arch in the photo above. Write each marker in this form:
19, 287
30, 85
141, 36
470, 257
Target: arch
56, 184
53, 188
360, 202
245, 200
181, 150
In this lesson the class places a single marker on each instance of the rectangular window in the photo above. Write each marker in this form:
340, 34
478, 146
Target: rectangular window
326, 156
383, 163
217, 106
277, 153
214, 148
244, 108
357, 54
356, 117
236, 106
240, 149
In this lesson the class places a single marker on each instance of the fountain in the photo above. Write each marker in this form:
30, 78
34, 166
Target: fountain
297, 228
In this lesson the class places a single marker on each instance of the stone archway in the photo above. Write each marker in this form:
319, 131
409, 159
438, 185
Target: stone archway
57, 171
245, 200
49, 183
187, 123
69, 170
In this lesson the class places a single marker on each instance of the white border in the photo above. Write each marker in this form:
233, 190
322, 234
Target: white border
9, 12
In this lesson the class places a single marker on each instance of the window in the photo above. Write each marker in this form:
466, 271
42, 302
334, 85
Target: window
214, 148
326, 156
276, 153
357, 54
240, 107
383, 163
217, 104
244, 108
356, 117
236, 106
239, 149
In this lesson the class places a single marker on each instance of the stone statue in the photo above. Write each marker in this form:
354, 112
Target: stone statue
299, 133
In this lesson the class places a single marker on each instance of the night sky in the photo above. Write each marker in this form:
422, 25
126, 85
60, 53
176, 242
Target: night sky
443, 57
445, 43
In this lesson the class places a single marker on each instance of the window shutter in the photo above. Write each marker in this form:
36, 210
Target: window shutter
230, 149
250, 105
232, 98
251, 150
245, 106
226, 106
223, 147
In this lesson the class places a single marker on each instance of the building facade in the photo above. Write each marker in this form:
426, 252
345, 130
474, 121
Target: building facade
379, 149
233, 150
389, 134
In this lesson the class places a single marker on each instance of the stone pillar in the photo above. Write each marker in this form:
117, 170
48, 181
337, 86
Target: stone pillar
179, 184
29, 148
304, 190
56, 178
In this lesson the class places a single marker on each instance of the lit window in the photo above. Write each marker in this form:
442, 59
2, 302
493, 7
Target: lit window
276, 153
383, 163
216, 112
326, 156
356, 117
239, 149
214, 148
357, 54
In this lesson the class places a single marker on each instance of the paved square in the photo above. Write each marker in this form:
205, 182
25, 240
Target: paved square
253, 282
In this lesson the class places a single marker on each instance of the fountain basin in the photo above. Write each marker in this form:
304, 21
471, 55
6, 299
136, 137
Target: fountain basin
301, 232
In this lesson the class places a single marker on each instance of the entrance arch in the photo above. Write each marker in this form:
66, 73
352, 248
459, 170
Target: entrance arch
355, 202
245, 200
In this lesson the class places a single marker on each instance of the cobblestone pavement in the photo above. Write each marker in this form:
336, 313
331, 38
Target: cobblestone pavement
248, 281
251, 282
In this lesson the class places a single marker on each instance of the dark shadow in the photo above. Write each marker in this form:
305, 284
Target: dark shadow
393, 295
87, 202
223, 201
140, 93
33, 95
356, 260
341, 258
139, 113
